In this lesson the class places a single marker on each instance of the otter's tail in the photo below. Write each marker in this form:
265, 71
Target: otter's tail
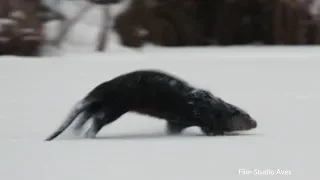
77, 109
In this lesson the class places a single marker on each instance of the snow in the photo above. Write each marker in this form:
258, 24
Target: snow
314, 8
31, 38
278, 86
6, 21
280, 89
17, 14
4, 39
27, 30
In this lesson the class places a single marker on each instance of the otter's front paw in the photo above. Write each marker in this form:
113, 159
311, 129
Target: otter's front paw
209, 132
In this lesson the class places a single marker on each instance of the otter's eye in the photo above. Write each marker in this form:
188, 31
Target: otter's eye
236, 113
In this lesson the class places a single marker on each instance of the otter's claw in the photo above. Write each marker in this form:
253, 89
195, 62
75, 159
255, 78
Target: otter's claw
209, 132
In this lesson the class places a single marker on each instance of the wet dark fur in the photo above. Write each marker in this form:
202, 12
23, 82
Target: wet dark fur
160, 95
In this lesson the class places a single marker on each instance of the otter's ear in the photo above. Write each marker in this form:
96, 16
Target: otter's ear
198, 93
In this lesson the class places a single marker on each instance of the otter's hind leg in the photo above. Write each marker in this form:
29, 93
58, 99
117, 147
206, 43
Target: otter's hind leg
84, 117
101, 119
174, 128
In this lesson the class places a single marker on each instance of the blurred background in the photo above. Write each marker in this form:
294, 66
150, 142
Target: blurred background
51, 27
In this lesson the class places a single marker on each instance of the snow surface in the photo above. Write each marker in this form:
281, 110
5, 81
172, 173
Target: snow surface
278, 86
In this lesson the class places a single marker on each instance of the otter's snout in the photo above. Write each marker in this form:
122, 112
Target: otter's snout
253, 124
241, 123
249, 124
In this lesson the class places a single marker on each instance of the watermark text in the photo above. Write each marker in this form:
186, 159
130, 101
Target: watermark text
265, 172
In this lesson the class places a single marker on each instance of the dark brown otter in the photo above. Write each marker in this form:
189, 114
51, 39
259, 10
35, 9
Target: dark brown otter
160, 95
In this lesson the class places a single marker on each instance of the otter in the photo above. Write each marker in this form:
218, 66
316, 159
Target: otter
157, 94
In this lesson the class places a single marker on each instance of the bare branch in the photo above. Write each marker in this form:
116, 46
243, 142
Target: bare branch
66, 26
102, 36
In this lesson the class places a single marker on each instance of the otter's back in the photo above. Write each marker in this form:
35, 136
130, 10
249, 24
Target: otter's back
148, 92
161, 95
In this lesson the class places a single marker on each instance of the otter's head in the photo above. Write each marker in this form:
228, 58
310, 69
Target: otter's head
220, 115
238, 120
